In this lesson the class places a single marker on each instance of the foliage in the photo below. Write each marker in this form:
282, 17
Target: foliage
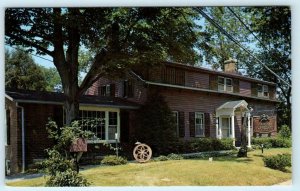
67, 178
113, 160
161, 158
205, 155
156, 124
173, 156
209, 144
118, 38
268, 142
285, 132
21, 72
279, 162
53, 80
60, 165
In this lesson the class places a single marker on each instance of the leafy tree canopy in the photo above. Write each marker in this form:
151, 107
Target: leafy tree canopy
21, 72
116, 37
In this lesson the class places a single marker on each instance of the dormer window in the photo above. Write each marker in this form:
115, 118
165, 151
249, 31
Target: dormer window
262, 90
225, 84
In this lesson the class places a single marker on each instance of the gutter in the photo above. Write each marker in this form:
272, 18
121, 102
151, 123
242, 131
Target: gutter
23, 137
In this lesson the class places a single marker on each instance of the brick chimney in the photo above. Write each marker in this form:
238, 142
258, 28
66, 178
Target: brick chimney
230, 66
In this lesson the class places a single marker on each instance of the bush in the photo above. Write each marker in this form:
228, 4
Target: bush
285, 132
209, 144
67, 178
279, 162
269, 142
173, 156
156, 125
113, 160
161, 158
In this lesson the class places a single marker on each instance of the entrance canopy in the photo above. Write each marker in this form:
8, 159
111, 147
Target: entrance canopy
230, 107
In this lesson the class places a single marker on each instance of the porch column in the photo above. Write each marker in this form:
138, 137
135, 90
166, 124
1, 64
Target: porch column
249, 131
233, 130
217, 127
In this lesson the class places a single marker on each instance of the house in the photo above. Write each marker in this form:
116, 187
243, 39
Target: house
204, 102
27, 113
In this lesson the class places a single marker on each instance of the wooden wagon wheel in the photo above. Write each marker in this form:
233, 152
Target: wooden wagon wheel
142, 153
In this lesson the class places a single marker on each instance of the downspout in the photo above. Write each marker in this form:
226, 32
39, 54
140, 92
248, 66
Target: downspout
23, 137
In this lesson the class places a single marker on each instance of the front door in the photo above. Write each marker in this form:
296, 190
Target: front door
225, 121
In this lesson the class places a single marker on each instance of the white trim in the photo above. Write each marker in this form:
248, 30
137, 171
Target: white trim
249, 131
8, 97
233, 129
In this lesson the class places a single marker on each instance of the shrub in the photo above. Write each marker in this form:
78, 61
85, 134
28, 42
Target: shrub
67, 178
173, 156
209, 144
279, 162
285, 132
156, 125
161, 158
269, 142
113, 160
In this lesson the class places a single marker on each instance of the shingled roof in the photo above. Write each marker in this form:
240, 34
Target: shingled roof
43, 97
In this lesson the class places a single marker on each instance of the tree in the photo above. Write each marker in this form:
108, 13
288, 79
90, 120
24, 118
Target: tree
156, 124
221, 47
21, 72
273, 27
116, 37
53, 80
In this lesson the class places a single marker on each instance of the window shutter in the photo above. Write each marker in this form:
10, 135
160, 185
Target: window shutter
207, 124
112, 90
213, 82
253, 89
236, 86
125, 87
272, 92
181, 124
99, 91
192, 124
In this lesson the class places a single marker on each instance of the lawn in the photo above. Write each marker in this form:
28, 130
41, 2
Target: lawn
223, 171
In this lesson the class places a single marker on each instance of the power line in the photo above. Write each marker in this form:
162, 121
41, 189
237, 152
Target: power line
212, 21
248, 28
29, 53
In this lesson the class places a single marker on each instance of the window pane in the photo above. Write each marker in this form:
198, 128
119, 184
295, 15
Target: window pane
228, 81
221, 80
113, 118
199, 124
259, 88
112, 129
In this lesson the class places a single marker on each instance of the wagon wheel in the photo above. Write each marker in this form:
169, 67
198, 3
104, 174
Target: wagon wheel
142, 153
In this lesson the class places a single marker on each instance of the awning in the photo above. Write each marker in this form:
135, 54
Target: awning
230, 107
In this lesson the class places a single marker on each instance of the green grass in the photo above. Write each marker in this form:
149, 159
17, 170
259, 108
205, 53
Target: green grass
223, 171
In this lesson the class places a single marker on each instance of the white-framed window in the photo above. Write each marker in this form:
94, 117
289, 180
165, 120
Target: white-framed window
225, 84
104, 90
108, 123
262, 90
176, 117
199, 124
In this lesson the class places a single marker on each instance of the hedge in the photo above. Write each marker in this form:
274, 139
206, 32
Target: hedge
270, 142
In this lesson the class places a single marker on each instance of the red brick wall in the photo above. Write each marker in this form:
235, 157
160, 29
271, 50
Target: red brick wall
192, 101
197, 80
14, 152
36, 118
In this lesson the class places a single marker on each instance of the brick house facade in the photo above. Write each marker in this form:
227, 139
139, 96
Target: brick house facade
198, 97
205, 103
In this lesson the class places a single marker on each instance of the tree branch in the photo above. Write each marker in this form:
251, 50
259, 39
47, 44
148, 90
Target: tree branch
29, 43
97, 68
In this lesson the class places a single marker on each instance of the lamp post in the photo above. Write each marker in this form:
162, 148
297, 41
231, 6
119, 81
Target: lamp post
116, 138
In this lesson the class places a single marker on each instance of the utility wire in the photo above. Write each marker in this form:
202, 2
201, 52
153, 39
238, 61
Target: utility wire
248, 28
212, 21
29, 53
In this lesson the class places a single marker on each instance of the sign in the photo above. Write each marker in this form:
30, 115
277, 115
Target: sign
264, 124
79, 145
